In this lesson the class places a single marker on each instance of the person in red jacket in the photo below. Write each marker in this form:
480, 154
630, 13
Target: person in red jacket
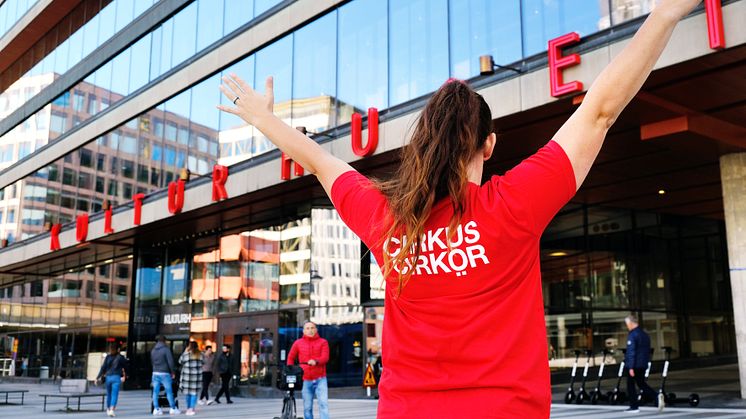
312, 351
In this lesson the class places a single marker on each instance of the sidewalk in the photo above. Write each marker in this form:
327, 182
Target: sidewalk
717, 386
136, 404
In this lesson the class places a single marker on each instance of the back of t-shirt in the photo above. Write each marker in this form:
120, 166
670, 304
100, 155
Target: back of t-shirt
469, 324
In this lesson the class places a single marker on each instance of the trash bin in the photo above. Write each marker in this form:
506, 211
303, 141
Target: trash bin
44, 372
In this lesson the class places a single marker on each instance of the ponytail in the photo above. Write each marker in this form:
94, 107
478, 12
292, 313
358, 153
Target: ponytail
452, 128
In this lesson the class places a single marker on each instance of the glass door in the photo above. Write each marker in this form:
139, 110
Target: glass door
256, 357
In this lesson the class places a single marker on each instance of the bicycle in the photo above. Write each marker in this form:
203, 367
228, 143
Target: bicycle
289, 379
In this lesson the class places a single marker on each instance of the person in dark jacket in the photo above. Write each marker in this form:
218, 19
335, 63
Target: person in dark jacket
113, 371
225, 369
636, 359
164, 373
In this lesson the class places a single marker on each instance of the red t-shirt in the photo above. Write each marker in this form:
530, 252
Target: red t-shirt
466, 338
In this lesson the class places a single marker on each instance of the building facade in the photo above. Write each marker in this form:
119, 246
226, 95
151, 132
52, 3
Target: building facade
113, 103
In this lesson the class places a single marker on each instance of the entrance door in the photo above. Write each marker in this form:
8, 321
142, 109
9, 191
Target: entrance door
256, 358
70, 355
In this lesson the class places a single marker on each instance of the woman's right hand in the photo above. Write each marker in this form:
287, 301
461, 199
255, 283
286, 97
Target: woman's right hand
677, 9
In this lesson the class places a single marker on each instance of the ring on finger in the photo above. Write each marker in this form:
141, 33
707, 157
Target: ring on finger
235, 100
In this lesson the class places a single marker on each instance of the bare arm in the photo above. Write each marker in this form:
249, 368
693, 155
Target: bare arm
256, 109
583, 134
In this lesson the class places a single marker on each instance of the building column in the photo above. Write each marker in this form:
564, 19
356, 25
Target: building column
733, 179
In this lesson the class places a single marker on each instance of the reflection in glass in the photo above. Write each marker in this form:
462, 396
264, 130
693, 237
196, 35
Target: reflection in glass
480, 27
335, 270
362, 59
543, 20
175, 280
314, 75
209, 22
418, 61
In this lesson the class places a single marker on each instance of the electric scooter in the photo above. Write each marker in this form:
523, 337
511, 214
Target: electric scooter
570, 395
582, 394
596, 394
671, 398
616, 396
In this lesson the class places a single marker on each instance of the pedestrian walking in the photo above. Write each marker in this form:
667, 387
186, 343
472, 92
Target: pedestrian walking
190, 380
114, 372
163, 375
208, 367
636, 359
225, 369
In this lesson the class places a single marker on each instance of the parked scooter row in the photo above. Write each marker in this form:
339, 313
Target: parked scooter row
616, 395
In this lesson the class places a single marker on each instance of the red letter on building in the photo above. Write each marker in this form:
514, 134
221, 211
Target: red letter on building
715, 31
107, 221
137, 199
285, 163
54, 244
81, 227
557, 62
176, 196
219, 177
357, 133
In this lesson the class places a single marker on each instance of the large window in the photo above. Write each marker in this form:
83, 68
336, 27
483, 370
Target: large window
418, 59
362, 58
480, 27
599, 264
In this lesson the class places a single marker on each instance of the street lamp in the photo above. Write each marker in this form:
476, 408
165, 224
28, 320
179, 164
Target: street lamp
487, 66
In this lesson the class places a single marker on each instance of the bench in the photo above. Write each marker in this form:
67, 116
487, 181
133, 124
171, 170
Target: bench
73, 389
9, 392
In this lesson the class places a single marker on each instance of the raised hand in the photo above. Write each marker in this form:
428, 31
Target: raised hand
677, 9
249, 104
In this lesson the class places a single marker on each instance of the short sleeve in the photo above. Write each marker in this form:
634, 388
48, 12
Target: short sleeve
540, 185
360, 205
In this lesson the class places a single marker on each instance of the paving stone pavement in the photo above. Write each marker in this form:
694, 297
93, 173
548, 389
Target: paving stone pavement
136, 404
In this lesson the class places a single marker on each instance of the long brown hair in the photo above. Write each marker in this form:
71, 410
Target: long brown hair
194, 350
452, 128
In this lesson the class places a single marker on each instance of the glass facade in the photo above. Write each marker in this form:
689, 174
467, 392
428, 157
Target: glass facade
85, 28
65, 322
367, 53
598, 264
141, 63
302, 269
11, 11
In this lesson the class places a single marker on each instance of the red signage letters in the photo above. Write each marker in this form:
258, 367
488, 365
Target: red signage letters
557, 62
219, 177
81, 227
176, 196
357, 133
107, 221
